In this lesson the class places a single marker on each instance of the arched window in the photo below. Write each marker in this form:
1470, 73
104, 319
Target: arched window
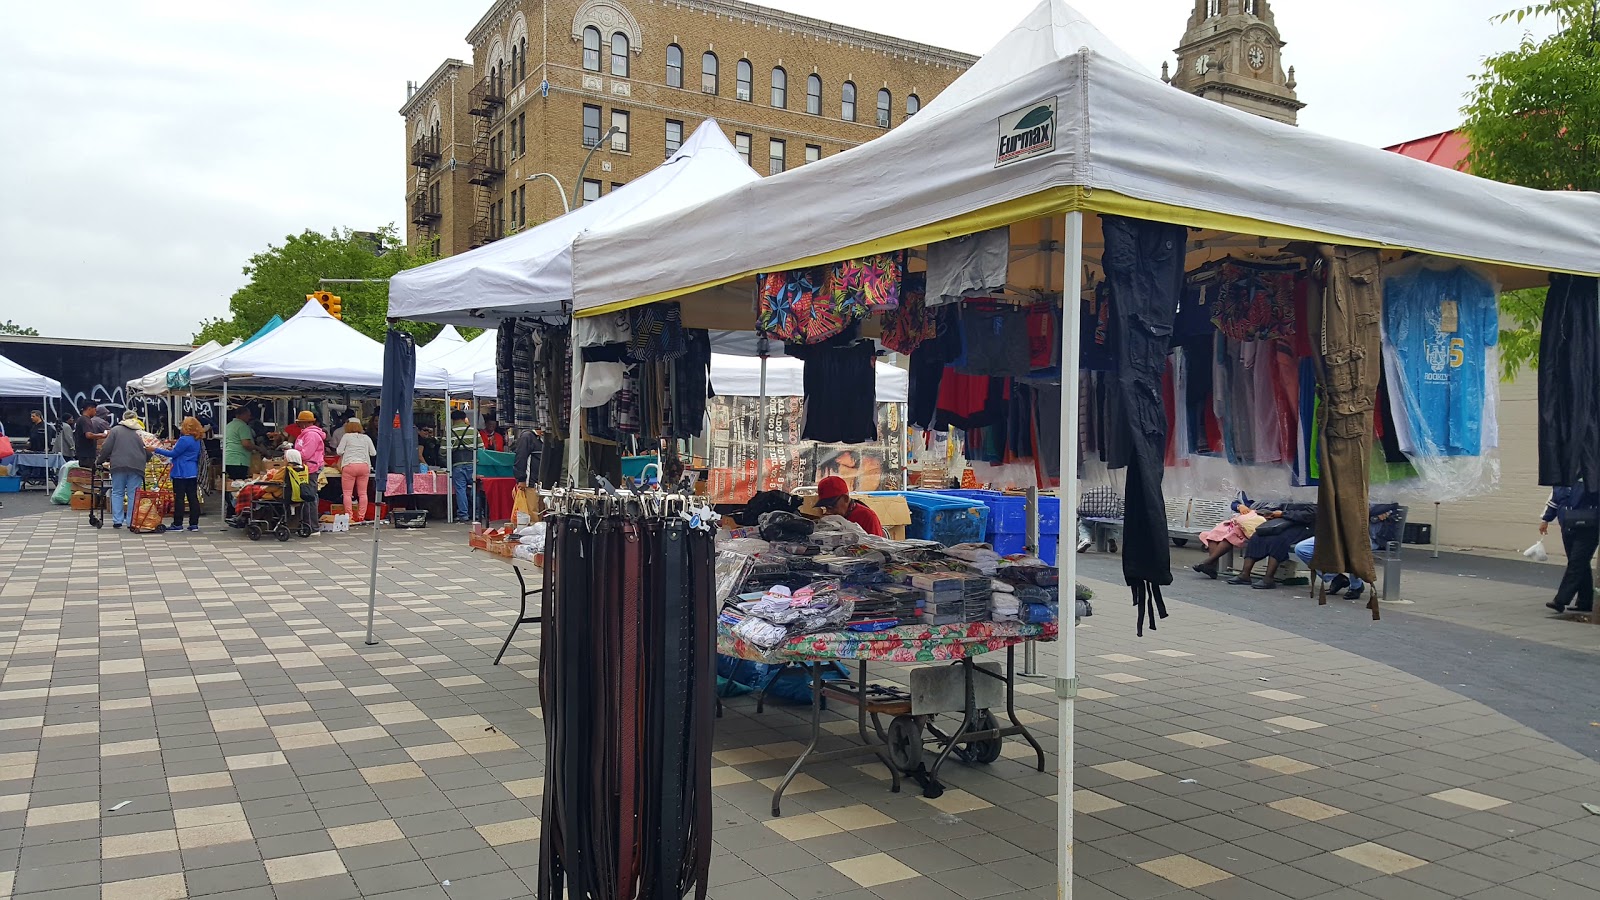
847, 102
591, 49
674, 66
1213, 8
522, 64
814, 94
708, 73
780, 88
619, 55
913, 105
741, 90
885, 103
515, 55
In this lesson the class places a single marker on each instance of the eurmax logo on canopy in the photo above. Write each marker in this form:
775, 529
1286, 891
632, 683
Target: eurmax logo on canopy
1027, 132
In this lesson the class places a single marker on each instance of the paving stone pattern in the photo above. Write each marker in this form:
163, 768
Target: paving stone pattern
197, 715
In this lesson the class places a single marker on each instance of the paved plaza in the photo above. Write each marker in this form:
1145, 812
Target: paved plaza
197, 715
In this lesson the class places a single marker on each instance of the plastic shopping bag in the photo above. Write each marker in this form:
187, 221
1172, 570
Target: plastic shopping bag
1537, 552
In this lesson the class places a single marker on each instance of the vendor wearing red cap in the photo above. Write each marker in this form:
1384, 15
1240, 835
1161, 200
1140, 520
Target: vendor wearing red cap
833, 499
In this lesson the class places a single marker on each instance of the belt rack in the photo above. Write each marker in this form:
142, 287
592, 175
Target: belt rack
627, 684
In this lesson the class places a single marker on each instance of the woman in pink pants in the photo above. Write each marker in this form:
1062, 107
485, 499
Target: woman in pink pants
355, 467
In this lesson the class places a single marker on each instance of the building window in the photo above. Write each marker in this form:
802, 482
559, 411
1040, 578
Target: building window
813, 153
913, 105
522, 60
616, 184
741, 142
780, 88
591, 190
708, 73
814, 94
674, 66
435, 248
674, 136
591, 49
1250, 7
591, 125
619, 121
741, 90
619, 55
885, 103
515, 55
1213, 8
847, 102
775, 156
513, 209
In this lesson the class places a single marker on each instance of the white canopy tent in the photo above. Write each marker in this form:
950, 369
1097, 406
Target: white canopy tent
1054, 121
530, 274
471, 365
1115, 140
310, 351
17, 381
156, 383
444, 344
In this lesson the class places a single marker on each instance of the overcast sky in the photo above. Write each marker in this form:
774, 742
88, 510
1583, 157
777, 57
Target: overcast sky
152, 146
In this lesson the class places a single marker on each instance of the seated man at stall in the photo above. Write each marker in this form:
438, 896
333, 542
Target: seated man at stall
1378, 517
833, 499
1274, 540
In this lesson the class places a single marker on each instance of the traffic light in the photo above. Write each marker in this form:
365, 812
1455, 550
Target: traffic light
328, 302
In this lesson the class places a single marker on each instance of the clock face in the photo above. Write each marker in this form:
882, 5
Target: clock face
1258, 57
1202, 65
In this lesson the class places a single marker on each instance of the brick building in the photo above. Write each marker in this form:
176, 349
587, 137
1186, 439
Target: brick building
549, 79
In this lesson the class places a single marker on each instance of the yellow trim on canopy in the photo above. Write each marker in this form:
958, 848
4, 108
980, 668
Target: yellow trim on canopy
1054, 201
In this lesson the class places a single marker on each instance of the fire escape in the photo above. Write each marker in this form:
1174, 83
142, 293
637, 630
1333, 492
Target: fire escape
425, 207
487, 102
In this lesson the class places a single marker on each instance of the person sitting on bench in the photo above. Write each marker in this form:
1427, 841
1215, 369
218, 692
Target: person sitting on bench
1377, 515
1228, 536
1274, 540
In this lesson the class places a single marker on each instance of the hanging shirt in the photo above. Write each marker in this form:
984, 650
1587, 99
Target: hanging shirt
1439, 320
970, 264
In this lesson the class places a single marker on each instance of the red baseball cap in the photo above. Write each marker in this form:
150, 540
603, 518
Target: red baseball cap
831, 488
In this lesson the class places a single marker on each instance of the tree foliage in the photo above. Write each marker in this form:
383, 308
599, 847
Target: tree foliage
281, 276
1533, 118
10, 327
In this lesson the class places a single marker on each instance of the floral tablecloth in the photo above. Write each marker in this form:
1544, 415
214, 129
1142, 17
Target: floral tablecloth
428, 483
906, 644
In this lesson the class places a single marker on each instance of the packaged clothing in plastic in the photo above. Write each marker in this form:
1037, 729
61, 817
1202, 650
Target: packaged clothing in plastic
1440, 318
966, 265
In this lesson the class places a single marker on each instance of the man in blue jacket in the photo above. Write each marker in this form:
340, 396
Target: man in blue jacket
1578, 509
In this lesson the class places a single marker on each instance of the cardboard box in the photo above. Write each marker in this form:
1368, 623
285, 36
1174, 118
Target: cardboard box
892, 512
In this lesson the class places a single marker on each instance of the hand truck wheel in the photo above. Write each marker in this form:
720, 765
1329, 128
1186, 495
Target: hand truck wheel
905, 743
986, 751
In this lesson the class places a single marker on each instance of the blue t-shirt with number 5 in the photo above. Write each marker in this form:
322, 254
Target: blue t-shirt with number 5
1440, 319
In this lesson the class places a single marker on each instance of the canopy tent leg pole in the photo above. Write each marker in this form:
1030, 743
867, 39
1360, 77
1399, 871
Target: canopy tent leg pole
372, 579
905, 449
449, 462
761, 420
222, 416
1030, 650
1067, 551
49, 440
472, 406
575, 412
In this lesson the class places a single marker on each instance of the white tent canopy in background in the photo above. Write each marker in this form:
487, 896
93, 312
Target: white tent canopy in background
530, 274
311, 351
444, 344
470, 365
17, 381
740, 376
1122, 142
155, 383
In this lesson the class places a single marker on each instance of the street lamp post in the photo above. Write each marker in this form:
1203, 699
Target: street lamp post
560, 189
614, 130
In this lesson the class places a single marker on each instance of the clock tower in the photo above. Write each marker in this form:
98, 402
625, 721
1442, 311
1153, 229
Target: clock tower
1232, 54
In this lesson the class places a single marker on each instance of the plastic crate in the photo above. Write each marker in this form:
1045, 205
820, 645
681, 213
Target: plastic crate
10, 484
1009, 512
948, 520
1009, 542
408, 518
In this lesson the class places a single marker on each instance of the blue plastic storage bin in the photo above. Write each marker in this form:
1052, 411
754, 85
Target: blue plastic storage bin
10, 484
1007, 543
1008, 513
948, 520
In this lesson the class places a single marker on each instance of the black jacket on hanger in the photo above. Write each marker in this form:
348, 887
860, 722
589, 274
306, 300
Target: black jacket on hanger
1569, 369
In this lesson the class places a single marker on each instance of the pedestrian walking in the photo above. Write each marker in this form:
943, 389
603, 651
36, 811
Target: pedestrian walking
1577, 508
356, 452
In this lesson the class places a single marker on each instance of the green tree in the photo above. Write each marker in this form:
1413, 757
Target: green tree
10, 327
282, 275
1533, 118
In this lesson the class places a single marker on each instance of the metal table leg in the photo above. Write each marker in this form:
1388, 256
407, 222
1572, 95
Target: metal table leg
522, 612
1011, 704
809, 754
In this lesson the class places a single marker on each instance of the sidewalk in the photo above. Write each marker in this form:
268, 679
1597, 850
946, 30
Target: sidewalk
221, 688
